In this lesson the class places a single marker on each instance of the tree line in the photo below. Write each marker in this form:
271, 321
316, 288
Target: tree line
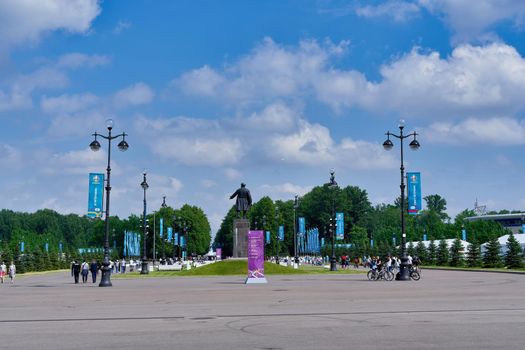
63, 235
367, 228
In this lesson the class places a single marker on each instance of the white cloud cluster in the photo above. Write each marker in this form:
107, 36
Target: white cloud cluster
134, 95
67, 103
472, 20
23, 21
400, 11
472, 80
500, 131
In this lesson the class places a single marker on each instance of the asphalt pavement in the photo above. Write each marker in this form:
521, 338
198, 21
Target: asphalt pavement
444, 310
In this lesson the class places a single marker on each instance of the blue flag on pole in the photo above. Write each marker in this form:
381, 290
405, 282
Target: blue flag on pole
281, 233
170, 233
95, 196
302, 225
464, 234
267, 237
161, 227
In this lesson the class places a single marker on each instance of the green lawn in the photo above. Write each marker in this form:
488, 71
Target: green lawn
237, 267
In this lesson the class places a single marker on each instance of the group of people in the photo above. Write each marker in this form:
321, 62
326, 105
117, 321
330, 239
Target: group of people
11, 272
84, 269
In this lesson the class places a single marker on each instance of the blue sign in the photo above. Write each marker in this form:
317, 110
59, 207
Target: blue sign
47, 247
176, 238
161, 227
463, 234
267, 237
322, 242
394, 241
182, 241
96, 194
414, 193
372, 243
170, 233
22, 247
302, 225
281, 233
424, 236
60, 247
523, 228
339, 226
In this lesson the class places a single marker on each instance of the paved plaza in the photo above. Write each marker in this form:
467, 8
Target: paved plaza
445, 309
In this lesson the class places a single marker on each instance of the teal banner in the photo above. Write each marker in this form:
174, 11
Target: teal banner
340, 226
161, 227
96, 195
281, 233
414, 193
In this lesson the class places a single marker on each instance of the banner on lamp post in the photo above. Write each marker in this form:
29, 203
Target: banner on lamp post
339, 226
414, 193
161, 227
95, 195
281, 233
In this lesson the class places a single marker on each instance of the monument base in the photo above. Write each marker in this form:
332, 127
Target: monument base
255, 280
240, 238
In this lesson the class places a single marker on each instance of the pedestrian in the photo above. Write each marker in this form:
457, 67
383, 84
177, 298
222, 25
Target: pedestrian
94, 269
123, 265
3, 271
75, 270
12, 272
85, 271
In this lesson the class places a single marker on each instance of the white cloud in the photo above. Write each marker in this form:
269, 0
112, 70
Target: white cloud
10, 156
232, 174
67, 103
76, 60
76, 162
17, 94
473, 21
285, 190
200, 151
268, 72
24, 21
207, 183
499, 131
121, 26
400, 11
134, 95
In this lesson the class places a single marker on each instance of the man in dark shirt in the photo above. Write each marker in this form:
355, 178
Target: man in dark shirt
94, 269
75, 270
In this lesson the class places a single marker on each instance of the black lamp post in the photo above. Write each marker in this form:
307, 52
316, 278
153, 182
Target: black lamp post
295, 206
414, 145
163, 206
333, 186
278, 238
144, 270
105, 280
175, 241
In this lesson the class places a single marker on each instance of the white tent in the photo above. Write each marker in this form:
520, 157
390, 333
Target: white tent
503, 242
449, 242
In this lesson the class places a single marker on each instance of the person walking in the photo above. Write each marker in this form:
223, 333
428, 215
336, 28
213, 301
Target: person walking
3, 271
123, 265
85, 271
12, 272
75, 270
94, 269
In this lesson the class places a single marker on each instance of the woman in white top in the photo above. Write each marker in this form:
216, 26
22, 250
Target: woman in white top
12, 272
3, 271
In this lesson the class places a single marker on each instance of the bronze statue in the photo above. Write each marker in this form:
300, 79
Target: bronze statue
244, 200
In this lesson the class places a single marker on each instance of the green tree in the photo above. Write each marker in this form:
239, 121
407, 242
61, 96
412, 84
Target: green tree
492, 256
474, 254
432, 253
437, 204
442, 253
421, 252
513, 257
411, 250
198, 229
456, 257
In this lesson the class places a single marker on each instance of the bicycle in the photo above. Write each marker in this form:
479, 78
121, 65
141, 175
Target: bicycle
414, 274
384, 274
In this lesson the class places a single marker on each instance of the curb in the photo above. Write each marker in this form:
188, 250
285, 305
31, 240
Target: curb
479, 270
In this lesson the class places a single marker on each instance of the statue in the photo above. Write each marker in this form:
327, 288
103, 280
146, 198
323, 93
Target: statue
244, 200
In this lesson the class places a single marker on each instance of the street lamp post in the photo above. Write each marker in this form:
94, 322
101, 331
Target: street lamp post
144, 270
414, 145
333, 186
105, 280
278, 237
163, 206
295, 206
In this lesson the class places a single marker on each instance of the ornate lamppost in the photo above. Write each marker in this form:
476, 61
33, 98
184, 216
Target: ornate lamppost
163, 206
296, 256
144, 270
414, 145
332, 185
105, 280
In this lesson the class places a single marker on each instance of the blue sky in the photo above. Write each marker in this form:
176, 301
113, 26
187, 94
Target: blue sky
271, 93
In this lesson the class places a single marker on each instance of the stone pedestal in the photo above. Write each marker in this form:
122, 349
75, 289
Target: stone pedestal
240, 238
